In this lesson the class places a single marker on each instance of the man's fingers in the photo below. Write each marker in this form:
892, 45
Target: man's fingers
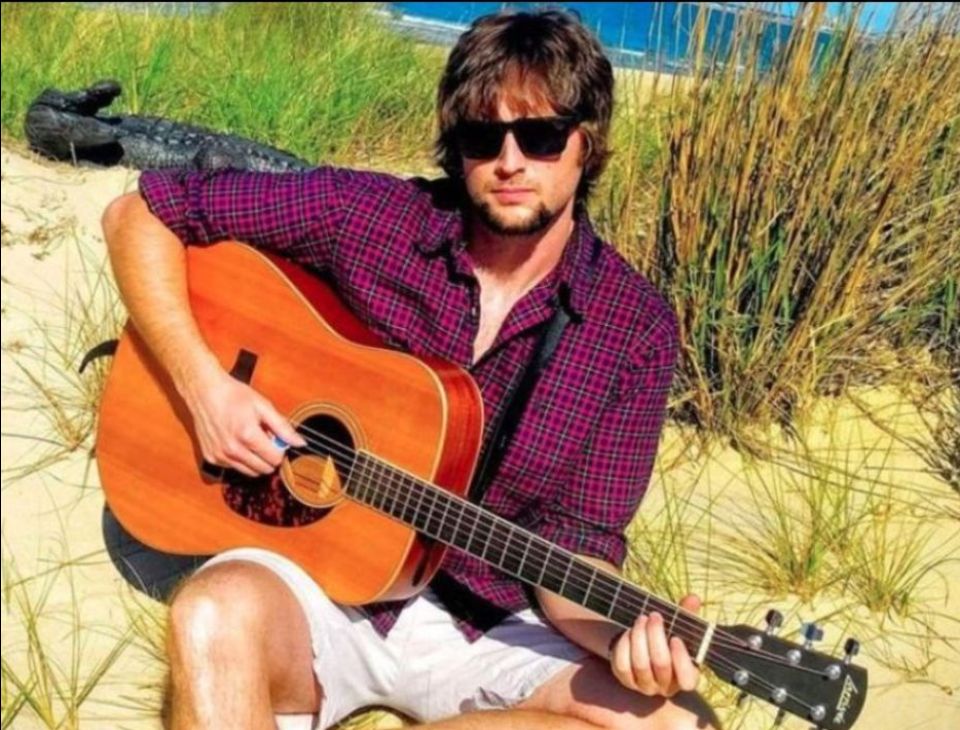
278, 424
620, 662
660, 660
687, 673
640, 657
691, 603
242, 454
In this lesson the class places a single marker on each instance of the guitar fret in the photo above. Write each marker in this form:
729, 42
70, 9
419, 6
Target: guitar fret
406, 484
506, 536
523, 558
456, 525
543, 567
566, 574
389, 497
594, 602
440, 518
673, 621
488, 541
348, 477
508, 553
398, 494
368, 491
410, 494
473, 530
353, 481
418, 512
377, 493
613, 601
444, 522
575, 591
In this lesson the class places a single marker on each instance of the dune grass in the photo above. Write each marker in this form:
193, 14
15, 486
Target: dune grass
51, 386
48, 671
808, 213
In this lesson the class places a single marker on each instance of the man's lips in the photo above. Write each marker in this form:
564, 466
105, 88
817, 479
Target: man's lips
511, 195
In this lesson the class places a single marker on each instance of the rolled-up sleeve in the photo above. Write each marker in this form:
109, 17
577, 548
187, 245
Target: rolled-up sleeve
295, 214
590, 515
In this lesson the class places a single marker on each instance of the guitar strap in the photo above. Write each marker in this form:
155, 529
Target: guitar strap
520, 389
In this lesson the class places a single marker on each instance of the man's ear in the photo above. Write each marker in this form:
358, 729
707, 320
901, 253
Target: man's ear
586, 146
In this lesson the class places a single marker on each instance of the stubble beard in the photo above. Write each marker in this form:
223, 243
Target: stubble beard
534, 223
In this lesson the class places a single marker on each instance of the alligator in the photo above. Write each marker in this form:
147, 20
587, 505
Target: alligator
66, 126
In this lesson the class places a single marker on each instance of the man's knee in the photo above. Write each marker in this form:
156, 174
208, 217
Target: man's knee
211, 610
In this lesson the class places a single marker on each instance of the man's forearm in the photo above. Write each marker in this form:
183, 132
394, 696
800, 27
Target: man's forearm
149, 263
579, 624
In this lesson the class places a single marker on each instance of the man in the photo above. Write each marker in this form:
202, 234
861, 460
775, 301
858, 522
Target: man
471, 268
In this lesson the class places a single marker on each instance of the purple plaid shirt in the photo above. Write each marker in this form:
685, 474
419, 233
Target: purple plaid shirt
581, 459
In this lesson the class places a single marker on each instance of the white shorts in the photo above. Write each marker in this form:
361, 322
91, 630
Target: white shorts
425, 668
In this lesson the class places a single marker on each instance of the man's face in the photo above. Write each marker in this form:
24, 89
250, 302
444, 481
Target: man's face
515, 193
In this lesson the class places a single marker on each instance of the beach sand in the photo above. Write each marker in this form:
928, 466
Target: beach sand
55, 567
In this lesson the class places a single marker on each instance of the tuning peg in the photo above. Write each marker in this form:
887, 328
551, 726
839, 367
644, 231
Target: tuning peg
740, 679
781, 713
774, 621
850, 649
812, 633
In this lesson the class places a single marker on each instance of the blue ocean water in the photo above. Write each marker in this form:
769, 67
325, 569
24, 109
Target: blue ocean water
638, 34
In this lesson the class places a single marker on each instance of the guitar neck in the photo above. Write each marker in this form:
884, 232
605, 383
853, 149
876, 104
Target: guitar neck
454, 521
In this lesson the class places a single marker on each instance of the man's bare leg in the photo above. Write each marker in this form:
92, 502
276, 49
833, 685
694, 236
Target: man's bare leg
587, 696
231, 626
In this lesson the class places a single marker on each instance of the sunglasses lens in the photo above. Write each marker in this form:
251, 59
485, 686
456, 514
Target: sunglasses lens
536, 137
542, 137
480, 140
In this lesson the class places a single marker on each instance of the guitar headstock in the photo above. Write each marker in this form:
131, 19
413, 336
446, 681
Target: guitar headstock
824, 690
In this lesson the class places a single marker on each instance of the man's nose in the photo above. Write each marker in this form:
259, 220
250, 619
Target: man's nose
511, 158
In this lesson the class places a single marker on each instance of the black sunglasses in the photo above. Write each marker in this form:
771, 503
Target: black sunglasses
536, 136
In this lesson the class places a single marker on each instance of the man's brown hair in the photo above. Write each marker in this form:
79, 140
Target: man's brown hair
536, 57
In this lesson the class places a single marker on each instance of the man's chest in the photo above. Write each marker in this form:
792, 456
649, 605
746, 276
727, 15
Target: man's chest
495, 307
425, 311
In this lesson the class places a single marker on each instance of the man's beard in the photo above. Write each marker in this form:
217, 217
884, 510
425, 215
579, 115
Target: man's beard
537, 222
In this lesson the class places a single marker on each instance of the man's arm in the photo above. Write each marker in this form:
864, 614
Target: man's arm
149, 263
641, 658
590, 516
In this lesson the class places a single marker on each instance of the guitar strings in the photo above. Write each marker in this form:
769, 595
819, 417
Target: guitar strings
712, 650
681, 619
688, 620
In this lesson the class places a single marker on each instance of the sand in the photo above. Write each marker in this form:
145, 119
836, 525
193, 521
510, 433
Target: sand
52, 545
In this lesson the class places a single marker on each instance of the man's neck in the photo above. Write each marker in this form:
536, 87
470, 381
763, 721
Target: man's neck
515, 264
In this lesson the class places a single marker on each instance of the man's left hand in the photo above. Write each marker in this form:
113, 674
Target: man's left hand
645, 661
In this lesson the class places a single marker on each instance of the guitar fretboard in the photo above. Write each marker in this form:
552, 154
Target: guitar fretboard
454, 521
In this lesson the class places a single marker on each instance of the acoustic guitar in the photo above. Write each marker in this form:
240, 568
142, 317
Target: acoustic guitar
377, 495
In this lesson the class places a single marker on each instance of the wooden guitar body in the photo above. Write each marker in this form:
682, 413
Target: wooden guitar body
287, 334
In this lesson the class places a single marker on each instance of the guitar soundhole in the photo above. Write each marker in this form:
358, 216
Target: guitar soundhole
307, 485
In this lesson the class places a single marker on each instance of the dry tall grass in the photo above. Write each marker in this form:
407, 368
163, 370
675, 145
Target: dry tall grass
809, 210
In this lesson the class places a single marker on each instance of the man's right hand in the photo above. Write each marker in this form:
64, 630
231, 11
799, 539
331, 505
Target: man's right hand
235, 425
